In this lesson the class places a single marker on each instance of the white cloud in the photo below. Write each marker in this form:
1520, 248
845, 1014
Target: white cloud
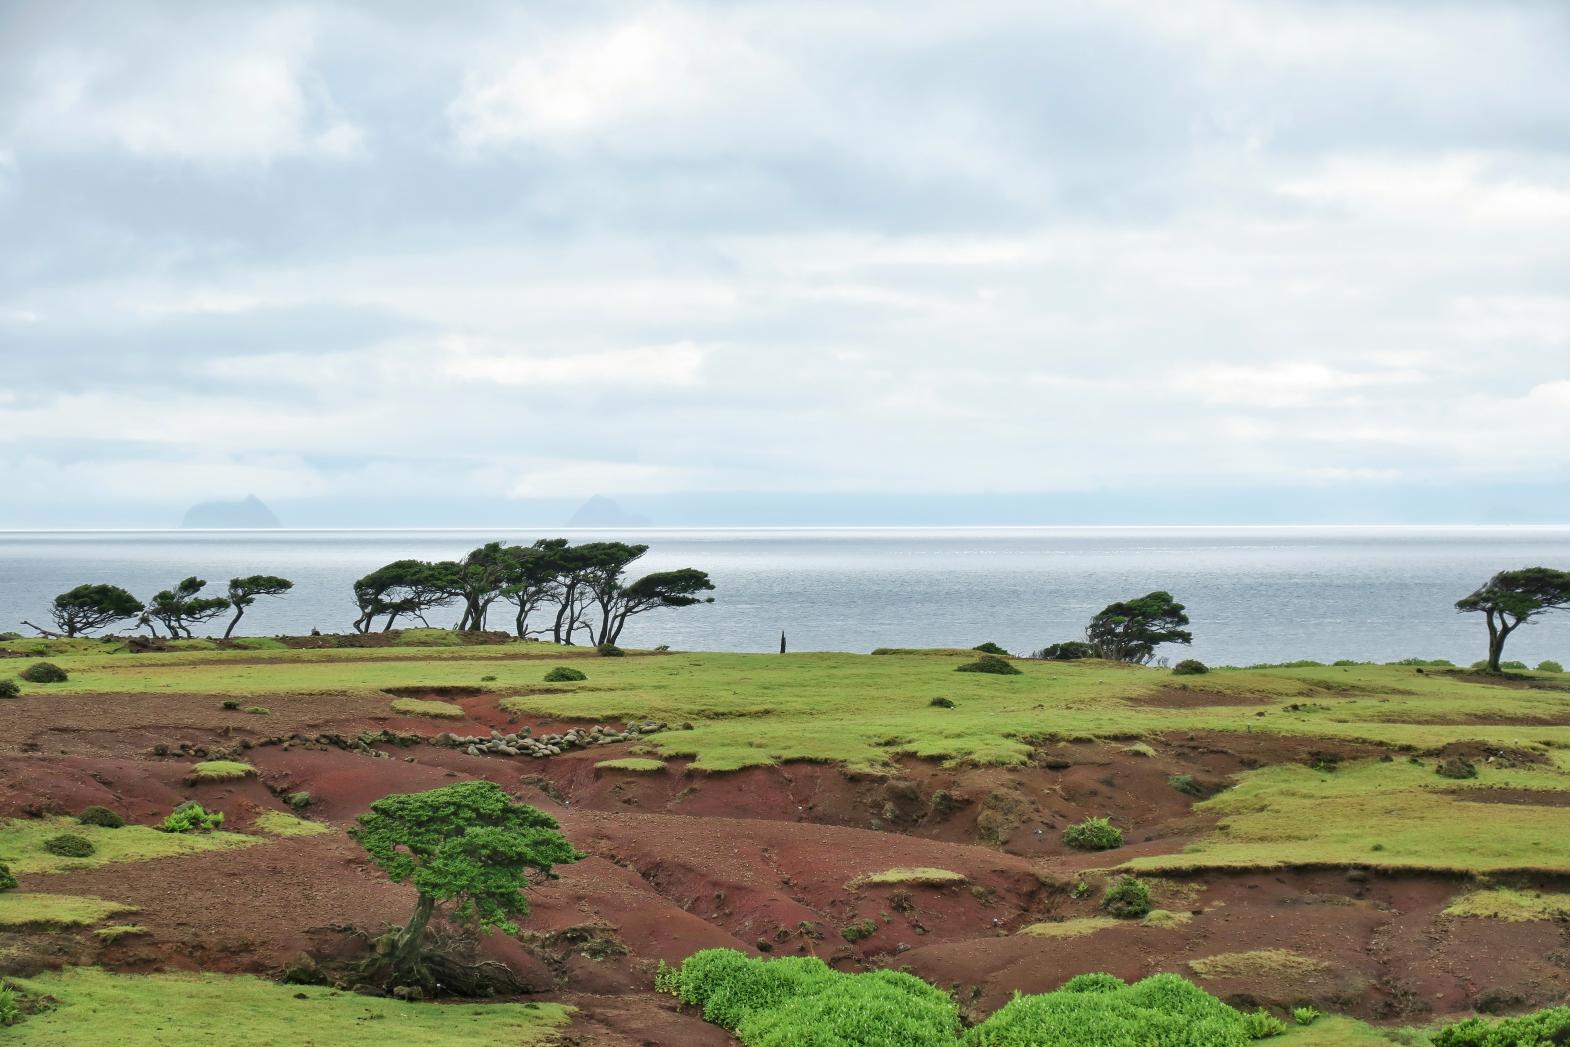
1284, 384
674, 365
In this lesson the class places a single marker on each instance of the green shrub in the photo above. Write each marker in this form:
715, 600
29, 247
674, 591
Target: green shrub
1550, 666
44, 672
258, 710
7, 877
989, 648
1093, 834
10, 689
1262, 1024
1094, 982
1305, 1015
69, 845
102, 817
609, 650
855, 932
10, 1006
1190, 667
1456, 767
1186, 784
1068, 651
989, 663
1528, 1030
1127, 898
1163, 1010
1503, 665
231, 705
191, 817
942, 702
564, 674
299, 801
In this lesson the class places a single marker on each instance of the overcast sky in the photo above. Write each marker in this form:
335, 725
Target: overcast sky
390, 249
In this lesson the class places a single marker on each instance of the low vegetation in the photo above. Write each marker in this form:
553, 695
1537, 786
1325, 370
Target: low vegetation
422, 707
22, 909
565, 674
1511, 905
1093, 834
191, 817
1279, 964
989, 663
1542, 1029
221, 771
916, 877
636, 764
278, 823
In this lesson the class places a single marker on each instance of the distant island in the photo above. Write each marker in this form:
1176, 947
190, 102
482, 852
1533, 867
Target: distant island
248, 513
601, 511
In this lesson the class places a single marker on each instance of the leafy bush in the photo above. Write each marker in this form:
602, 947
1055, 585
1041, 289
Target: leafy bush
299, 801
564, 674
1427, 663
989, 663
7, 877
10, 1006
1550, 666
1261, 1024
855, 932
1512, 664
1190, 667
1164, 1010
191, 817
1127, 898
231, 705
102, 817
1093, 834
10, 689
942, 702
1186, 784
609, 650
1528, 1030
1068, 651
44, 672
1456, 767
989, 648
1305, 1015
69, 845
1094, 982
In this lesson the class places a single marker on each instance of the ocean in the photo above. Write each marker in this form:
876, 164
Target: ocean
1255, 594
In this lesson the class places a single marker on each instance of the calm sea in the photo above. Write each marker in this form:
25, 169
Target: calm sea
1254, 593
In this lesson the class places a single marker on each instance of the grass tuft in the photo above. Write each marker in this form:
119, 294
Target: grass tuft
1273, 964
910, 877
221, 771
22, 909
277, 823
640, 764
422, 707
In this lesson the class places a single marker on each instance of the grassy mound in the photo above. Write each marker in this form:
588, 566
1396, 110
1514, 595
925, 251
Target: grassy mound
277, 823
1511, 905
21, 909
22, 844
221, 771
801, 1001
1076, 928
640, 764
421, 707
185, 1010
912, 877
1275, 964
565, 674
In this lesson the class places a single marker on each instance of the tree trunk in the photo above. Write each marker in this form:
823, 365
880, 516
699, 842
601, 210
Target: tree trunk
412, 937
1498, 632
239, 612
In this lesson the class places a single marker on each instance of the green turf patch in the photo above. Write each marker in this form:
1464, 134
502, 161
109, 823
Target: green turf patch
201, 1010
1259, 964
22, 844
20, 909
277, 823
1165, 918
1511, 905
221, 771
422, 707
115, 932
1075, 928
640, 764
910, 877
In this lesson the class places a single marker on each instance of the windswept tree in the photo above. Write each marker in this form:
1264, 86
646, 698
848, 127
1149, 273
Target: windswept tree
180, 608
530, 582
244, 591
1131, 630
680, 588
90, 607
478, 580
403, 587
1510, 599
604, 578
467, 846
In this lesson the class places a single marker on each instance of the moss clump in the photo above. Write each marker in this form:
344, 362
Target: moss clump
564, 674
102, 817
1127, 898
191, 817
420, 707
221, 771
989, 663
44, 672
1093, 834
69, 845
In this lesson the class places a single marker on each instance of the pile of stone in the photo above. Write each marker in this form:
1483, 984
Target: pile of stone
362, 743
521, 742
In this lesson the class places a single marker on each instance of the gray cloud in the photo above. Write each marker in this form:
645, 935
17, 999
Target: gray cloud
364, 250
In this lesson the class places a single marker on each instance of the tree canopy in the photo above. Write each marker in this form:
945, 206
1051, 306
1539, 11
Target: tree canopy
469, 846
1131, 630
244, 591
1510, 599
180, 608
89, 607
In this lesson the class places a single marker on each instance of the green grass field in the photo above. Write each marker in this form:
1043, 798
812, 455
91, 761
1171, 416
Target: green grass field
186, 1010
22, 844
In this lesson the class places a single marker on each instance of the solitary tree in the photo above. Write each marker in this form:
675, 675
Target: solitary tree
89, 607
1131, 630
469, 846
1510, 599
244, 591
182, 607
